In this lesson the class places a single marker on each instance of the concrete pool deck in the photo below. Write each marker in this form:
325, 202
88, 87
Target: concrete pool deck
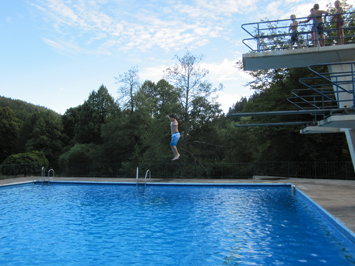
335, 196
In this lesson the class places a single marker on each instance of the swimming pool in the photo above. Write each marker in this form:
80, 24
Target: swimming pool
106, 224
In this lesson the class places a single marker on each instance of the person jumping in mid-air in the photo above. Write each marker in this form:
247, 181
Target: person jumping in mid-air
175, 135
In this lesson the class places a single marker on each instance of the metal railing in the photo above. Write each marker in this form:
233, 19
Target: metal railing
321, 170
328, 90
275, 35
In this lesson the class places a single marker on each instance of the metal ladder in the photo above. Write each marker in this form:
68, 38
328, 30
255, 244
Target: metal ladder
145, 178
43, 175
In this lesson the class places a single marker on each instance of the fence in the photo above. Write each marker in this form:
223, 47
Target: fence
321, 170
158, 170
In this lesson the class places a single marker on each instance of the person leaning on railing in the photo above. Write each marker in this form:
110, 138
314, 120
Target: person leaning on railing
318, 24
340, 22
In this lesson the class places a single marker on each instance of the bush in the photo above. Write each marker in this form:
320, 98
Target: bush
24, 163
79, 154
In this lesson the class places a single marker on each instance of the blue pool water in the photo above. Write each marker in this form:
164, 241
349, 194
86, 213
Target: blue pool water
164, 225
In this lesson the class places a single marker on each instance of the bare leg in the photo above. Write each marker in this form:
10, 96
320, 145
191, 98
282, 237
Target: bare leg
322, 39
340, 35
175, 152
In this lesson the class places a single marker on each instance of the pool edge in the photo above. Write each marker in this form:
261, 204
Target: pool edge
18, 183
350, 235
165, 184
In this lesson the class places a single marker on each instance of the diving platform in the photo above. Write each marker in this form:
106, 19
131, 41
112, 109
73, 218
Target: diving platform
318, 130
328, 97
338, 121
332, 124
299, 57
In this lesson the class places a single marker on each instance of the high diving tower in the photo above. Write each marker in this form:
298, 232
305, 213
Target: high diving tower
329, 97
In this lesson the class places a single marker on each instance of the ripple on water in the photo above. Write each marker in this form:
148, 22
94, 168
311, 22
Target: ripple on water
163, 225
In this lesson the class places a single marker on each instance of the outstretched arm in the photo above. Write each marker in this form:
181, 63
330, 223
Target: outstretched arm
307, 20
168, 117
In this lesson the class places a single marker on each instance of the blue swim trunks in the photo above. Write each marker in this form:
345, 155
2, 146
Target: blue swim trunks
174, 139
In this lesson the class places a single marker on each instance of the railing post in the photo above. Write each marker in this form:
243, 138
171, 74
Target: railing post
221, 170
353, 82
258, 42
346, 170
194, 170
166, 170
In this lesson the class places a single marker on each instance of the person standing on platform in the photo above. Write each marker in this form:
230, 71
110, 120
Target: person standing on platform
340, 22
312, 34
175, 135
318, 24
294, 29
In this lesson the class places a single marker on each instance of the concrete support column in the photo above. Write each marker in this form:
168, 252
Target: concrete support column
350, 137
344, 75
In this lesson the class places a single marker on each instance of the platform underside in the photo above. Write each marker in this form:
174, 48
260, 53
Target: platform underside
333, 124
299, 57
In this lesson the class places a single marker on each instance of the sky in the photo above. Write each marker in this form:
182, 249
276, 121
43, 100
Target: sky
54, 53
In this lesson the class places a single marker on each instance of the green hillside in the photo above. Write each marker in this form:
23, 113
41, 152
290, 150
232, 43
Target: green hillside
23, 109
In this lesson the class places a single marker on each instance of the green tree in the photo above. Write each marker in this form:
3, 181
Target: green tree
24, 163
90, 116
69, 120
122, 133
81, 153
45, 135
130, 80
22, 109
204, 142
155, 101
285, 143
9, 133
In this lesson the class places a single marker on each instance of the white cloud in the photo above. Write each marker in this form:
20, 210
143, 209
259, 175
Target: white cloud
153, 73
143, 29
227, 7
8, 20
227, 100
66, 47
225, 71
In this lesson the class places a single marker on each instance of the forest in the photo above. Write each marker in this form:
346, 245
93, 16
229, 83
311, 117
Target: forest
133, 130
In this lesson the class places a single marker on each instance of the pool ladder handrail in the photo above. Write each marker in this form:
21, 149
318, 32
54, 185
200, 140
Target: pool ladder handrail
50, 170
145, 178
150, 175
43, 175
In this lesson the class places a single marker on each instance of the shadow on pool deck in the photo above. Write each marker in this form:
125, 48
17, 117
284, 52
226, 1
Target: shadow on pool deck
335, 196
